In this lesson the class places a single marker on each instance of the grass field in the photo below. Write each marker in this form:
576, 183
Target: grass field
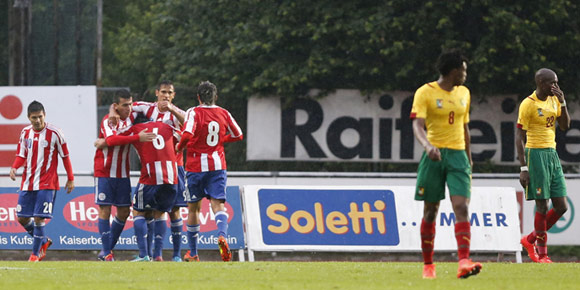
280, 275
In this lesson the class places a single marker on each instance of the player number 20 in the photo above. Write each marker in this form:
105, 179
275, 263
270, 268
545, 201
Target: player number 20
213, 129
47, 207
158, 142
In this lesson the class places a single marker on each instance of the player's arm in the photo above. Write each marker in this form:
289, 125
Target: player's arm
70, 183
421, 135
21, 154
228, 138
467, 137
185, 137
520, 145
113, 116
143, 136
18, 162
177, 112
564, 118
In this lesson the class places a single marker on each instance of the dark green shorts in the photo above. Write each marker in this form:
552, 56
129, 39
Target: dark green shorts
546, 176
453, 169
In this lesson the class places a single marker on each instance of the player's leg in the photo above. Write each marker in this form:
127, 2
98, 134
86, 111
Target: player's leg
42, 210
430, 189
28, 224
142, 198
193, 227
459, 183
539, 190
26, 203
160, 229
558, 197
176, 229
140, 227
216, 189
195, 194
105, 230
150, 220
123, 203
118, 224
175, 214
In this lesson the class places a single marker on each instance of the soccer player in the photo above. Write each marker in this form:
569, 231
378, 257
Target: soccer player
112, 180
39, 146
541, 173
157, 185
206, 128
440, 116
164, 111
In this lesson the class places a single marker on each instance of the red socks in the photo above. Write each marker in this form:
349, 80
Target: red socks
541, 227
542, 223
463, 237
427, 241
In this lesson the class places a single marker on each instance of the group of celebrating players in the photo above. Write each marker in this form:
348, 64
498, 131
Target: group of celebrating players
160, 132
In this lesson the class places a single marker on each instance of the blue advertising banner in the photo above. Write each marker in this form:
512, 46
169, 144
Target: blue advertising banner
328, 217
74, 225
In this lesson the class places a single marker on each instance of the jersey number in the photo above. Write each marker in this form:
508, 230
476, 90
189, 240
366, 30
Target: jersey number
47, 207
158, 142
213, 129
451, 117
550, 122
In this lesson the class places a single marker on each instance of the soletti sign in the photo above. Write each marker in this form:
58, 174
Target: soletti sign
349, 126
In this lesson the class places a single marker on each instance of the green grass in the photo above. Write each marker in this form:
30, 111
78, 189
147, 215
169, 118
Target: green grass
280, 275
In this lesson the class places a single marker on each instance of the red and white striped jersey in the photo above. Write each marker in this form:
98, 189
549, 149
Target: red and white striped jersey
158, 164
40, 151
113, 161
208, 125
151, 111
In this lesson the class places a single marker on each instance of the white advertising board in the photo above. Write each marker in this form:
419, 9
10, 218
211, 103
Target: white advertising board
371, 218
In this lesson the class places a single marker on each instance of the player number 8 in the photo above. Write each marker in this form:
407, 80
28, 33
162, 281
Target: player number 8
213, 129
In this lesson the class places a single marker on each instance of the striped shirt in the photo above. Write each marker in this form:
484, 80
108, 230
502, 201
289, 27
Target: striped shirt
209, 126
113, 161
40, 151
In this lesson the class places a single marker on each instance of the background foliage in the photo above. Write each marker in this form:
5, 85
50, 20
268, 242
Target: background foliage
287, 47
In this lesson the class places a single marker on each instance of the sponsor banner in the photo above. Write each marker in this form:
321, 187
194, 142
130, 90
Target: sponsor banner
371, 218
350, 126
73, 109
74, 225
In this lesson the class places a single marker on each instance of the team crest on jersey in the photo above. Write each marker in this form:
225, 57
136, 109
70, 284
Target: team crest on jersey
102, 196
540, 113
28, 143
44, 143
18, 208
539, 191
463, 103
439, 103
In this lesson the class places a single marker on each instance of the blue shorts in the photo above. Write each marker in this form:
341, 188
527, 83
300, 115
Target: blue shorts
159, 197
206, 184
112, 191
181, 197
36, 203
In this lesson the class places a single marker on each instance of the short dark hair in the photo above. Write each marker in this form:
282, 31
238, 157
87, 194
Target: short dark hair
164, 83
35, 106
449, 60
206, 92
121, 94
